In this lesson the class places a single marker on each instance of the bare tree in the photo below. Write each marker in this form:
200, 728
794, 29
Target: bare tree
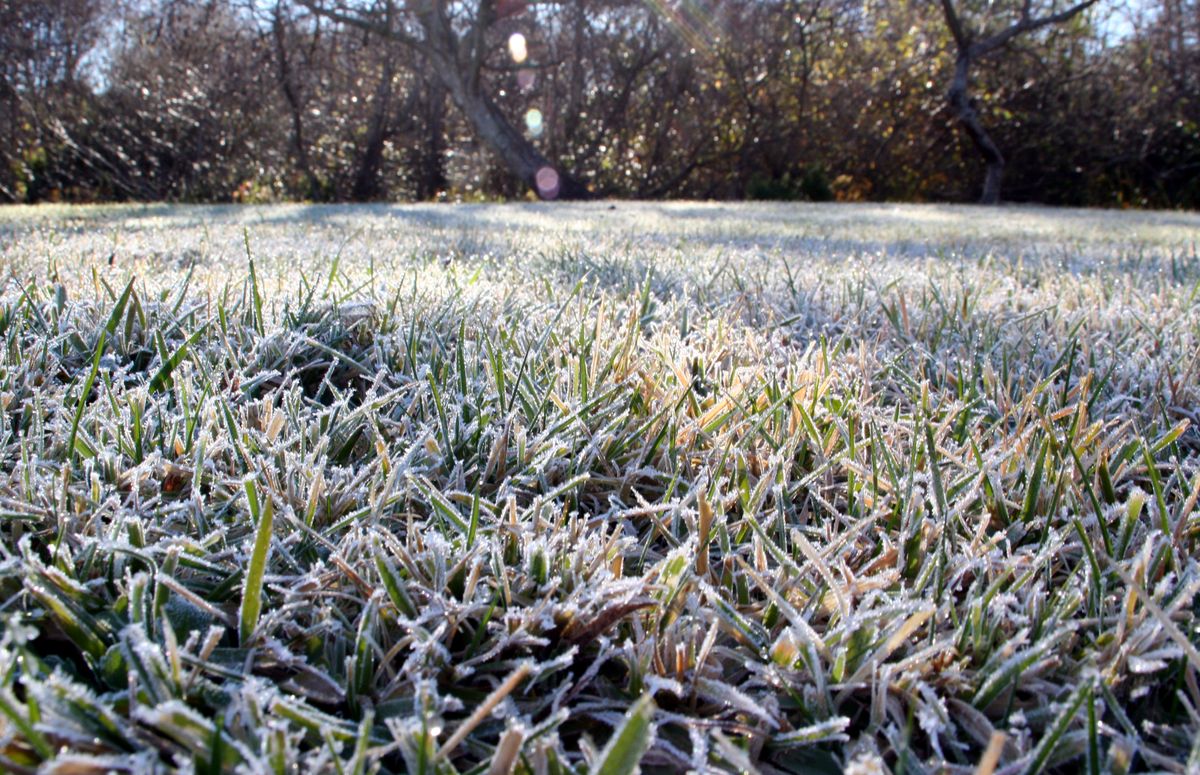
291, 88
42, 48
454, 42
973, 46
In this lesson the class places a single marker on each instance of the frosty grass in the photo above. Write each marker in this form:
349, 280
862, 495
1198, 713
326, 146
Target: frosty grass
560, 489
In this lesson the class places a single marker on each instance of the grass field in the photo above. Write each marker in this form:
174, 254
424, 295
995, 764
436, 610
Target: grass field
553, 489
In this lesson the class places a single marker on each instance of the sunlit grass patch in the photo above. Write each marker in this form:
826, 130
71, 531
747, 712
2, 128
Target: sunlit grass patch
698, 486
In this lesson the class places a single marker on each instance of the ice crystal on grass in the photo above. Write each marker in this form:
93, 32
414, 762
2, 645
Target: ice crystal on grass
768, 488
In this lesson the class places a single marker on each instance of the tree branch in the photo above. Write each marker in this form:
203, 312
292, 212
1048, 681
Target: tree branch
955, 25
477, 50
1027, 23
548, 64
368, 24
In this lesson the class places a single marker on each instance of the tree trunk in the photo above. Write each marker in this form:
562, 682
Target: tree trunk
492, 128
964, 108
456, 60
431, 158
366, 178
518, 154
299, 145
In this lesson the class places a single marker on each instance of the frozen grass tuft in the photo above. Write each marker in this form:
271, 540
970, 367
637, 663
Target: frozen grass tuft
581, 489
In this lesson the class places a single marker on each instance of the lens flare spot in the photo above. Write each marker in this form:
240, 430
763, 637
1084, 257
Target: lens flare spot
547, 183
533, 122
517, 47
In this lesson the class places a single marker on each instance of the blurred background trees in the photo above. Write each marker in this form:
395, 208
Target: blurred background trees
363, 100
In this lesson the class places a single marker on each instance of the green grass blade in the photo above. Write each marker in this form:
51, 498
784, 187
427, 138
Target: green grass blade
630, 742
1049, 742
252, 588
162, 378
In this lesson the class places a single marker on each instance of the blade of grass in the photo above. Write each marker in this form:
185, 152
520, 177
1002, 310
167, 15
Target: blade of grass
252, 587
630, 742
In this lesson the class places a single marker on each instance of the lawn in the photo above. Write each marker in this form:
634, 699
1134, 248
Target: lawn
553, 489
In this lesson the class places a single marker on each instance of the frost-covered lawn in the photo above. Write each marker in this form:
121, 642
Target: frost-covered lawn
549, 489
